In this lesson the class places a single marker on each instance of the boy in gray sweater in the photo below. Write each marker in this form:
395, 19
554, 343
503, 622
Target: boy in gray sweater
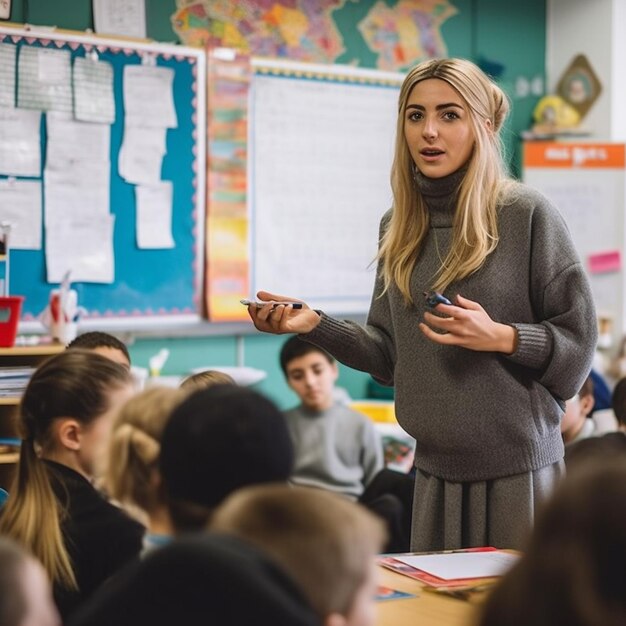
336, 448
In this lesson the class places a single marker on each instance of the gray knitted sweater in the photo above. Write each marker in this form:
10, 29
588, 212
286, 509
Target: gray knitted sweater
482, 415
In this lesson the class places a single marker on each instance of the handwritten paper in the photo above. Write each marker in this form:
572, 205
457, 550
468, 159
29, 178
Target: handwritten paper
141, 155
45, 79
120, 17
76, 143
20, 145
84, 246
20, 205
456, 565
154, 215
94, 100
148, 96
7, 75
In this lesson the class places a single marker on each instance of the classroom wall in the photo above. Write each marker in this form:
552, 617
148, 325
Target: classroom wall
508, 34
569, 34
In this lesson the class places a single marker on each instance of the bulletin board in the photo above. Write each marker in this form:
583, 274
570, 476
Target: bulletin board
150, 286
587, 183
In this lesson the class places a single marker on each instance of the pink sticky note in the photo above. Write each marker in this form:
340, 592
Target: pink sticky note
605, 262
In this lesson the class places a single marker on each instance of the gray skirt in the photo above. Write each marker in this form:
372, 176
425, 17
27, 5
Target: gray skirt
499, 513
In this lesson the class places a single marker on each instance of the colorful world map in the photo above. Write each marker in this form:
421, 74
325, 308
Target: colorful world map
307, 30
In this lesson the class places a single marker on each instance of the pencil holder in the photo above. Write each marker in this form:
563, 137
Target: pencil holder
10, 309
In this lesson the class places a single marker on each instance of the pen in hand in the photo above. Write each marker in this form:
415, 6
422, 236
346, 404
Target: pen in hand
258, 304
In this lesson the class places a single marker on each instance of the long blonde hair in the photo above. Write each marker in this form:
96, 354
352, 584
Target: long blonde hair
76, 383
475, 226
135, 446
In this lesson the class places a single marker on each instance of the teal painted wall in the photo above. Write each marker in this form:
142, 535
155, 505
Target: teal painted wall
507, 33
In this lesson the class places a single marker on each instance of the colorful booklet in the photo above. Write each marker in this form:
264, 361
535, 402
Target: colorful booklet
386, 593
396, 564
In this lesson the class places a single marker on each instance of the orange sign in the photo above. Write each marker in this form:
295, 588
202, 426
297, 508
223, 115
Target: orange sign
574, 155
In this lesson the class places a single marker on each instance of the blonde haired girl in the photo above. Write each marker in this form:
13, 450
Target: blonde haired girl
133, 468
480, 375
53, 509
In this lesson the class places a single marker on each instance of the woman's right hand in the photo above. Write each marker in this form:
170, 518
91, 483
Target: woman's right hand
280, 319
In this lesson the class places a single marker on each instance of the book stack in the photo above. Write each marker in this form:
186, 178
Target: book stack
13, 380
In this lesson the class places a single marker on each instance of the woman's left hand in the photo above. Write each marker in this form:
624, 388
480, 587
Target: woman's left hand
468, 325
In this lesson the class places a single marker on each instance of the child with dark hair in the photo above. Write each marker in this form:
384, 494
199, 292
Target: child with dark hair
53, 509
104, 344
336, 448
218, 440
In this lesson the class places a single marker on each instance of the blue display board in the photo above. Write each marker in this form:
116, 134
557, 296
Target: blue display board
149, 284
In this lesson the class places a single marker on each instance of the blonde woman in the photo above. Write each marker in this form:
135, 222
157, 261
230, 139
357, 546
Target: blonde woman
53, 510
133, 476
480, 375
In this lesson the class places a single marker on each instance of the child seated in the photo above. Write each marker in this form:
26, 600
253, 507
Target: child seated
25, 594
218, 440
104, 344
325, 543
208, 378
576, 423
53, 509
572, 571
336, 448
133, 476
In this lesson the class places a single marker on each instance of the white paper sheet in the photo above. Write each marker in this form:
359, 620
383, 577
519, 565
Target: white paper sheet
141, 155
149, 97
83, 246
462, 564
20, 205
20, 144
45, 79
94, 100
72, 142
71, 194
154, 215
7, 74
120, 17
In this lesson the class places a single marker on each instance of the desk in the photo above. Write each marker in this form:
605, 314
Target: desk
426, 609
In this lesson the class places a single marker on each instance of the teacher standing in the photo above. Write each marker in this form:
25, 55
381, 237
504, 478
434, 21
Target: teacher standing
480, 383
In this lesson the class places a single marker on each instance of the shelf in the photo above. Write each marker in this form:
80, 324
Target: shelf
10, 401
9, 458
42, 350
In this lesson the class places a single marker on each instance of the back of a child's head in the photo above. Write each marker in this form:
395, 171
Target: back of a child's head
75, 384
25, 595
109, 345
136, 444
326, 543
218, 440
618, 402
295, 348
206, 379
572, 569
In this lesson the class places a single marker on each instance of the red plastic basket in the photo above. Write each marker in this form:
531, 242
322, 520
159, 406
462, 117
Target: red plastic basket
10, 308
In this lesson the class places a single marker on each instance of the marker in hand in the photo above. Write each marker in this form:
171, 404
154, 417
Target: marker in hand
433, 298
258, 304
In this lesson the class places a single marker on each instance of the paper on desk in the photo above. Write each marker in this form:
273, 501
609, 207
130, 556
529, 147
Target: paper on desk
154, 215
45, 79
94, 100
453, 565
20, 205
84, 246
7, 75
149, 96
20, 144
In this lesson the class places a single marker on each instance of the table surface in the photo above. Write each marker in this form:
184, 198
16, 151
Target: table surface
425, 609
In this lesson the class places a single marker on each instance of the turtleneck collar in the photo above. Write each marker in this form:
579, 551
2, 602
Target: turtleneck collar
440, 196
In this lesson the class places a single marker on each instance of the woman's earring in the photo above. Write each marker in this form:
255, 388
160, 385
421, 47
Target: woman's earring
415, 172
